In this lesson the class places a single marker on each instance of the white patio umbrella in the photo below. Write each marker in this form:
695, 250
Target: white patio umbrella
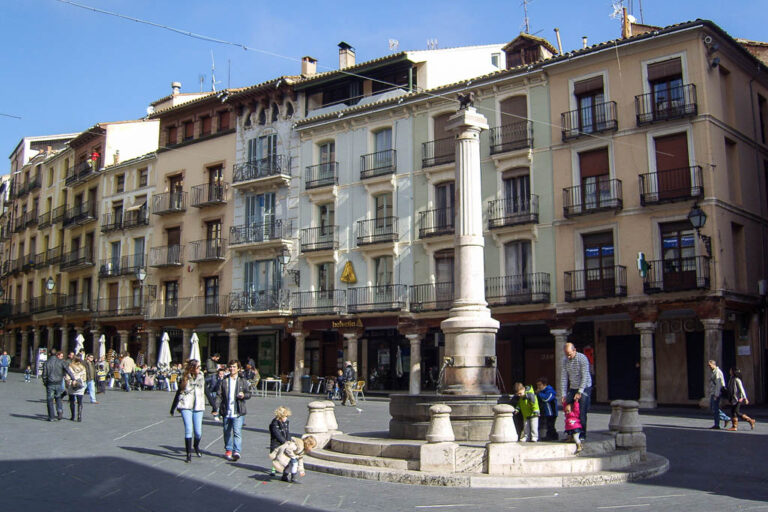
102, 346
164, 356
79, 343
399, 363
194, 347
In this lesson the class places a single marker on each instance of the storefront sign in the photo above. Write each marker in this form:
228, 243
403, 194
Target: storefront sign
743, 350
346, 324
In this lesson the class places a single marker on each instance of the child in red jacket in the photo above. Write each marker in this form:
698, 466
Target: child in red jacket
572, 422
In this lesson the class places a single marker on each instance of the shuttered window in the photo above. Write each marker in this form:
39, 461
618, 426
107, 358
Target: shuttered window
592, 85
665, 69
594, 163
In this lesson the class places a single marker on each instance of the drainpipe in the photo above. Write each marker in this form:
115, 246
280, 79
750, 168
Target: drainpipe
410, 79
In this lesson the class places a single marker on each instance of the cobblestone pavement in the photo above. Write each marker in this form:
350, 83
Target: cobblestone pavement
127, 454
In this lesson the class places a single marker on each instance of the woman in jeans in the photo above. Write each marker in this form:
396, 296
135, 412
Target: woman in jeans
190, 401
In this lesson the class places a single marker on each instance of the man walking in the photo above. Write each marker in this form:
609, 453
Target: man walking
350, 379
53, 373
127, 367
576, 382
716, 385
5, 362
231, 396
90, 377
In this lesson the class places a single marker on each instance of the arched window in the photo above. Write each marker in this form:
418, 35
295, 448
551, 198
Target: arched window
263, 117
275, 112
289, 110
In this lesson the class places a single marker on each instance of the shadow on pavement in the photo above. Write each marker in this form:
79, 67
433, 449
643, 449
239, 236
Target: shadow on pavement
38, 417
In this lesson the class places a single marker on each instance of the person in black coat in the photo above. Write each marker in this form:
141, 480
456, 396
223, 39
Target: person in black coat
279, 431
231, 396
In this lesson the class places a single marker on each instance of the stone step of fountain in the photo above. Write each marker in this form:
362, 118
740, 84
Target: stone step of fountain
575, 464
376, 446
366, 460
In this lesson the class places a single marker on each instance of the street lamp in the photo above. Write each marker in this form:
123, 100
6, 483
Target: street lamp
698, 218
50, 284
284, 257
141, 275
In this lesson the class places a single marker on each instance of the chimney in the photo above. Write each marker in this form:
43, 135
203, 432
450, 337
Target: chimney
559, 42
308, 66
346, 55
583, 41
116, 157
176, 87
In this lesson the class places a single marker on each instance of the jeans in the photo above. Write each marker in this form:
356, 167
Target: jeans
717, 414
233, 438
90, 388
53, 394
193, 420
3, 373
584, 403
127, 381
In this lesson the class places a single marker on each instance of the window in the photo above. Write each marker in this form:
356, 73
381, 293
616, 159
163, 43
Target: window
114, 259
50, 175
263, 116
382, 268
205, 125
117, 214
763, 113
726, 93
325, 277
517, 266
739, 256
383, 212
223, 120
261, 276
495, 58
173, 135
444, 277
189, 130
444, 197
171, 298
589, 102
289, 110
275, 112
327, 156
326, 216
213, 230
599, 278
666, 81
732, 168
120, 183
262, 152
678, 252
176, 190
517, 192
138, 252
260, 212
143, 177
673, 175
513, 110
136, 301
595, 178
211, 290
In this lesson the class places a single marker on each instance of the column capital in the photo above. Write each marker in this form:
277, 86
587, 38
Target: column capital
123, 332
646, 327
713, 323
467, 119
350, 335
232, 331
79, 330
415, 337
187, 330
560, 332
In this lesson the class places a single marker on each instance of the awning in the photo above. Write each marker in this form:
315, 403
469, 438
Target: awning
137, 207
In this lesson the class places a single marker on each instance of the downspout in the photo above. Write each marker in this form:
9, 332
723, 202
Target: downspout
410, 78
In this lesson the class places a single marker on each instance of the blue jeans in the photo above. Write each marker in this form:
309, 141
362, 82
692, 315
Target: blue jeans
3, 373
717, 414
90, 388
127, 381
584, 403
193, 420
53, 394
233, 439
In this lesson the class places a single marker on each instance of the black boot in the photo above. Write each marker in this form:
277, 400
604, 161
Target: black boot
285, 477
72, 410
295, 478
197, 447
80, 412
188, 447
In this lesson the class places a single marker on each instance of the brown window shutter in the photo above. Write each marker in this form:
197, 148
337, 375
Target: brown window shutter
671, 151
514, 173
594, 163
516, 106
441, 122
665, 69
223, 121
590, 85
206, 129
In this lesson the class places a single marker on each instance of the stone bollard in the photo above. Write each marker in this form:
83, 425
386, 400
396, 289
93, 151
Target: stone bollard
631, 436
503, 451
439, 453
613, 423
330, 417
316, 422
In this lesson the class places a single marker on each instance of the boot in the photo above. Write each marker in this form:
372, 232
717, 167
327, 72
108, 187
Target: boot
295, 478
735, 426
748, 420
80, 412
285, 477
188, 447
197, 447
72, 410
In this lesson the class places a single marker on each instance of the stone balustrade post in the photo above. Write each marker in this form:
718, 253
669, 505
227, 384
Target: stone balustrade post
439, 452
330, 417
613, 423
316, 422
647, 369
414, 384
503, 451
631, 434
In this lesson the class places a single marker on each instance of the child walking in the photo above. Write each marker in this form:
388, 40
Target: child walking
289, 457
572, 422
528, 405
279, 432
548, 407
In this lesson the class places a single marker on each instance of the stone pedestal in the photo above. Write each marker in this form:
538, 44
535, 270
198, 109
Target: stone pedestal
503, 429
151, 348
24, 356
615, 420
330, 418
630, 434
471, 416
439, 454
440, 429
647, 370
561, 338
316, 421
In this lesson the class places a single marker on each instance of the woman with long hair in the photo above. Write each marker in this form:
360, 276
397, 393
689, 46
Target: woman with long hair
76, 387
738, 397
190, 401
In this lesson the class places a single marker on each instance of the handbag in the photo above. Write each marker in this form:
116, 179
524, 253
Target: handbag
77, 384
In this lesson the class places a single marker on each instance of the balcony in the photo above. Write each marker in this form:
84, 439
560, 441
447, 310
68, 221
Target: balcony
57, 214
115, 307
436, 222
592, 197
5, 269
80, 214
135, 218
20, 309
53, 256
321, 175
264, 235
169, 202
513, 212
29, 262
511, 137
259, 301
112, 221
40, 261
166, 256
129, 264
210, 194
44, 220
324, 238
325, 302
207, 250
16, 266
35, 183
22, 190
30, 219
671, 185
596, 283
188, 307
678, 274
377, 231
82, 172
438, 152
74, 304
19, 224
519, 289
666, 104
431, 297
378, 164
77, 259
270, 171
598, 118
367, 299
46, 303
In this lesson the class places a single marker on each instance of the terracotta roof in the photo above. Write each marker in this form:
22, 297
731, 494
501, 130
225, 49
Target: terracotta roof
533, 39
308, 80
252, 89
224, 93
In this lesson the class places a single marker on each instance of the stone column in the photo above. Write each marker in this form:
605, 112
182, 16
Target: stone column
233, 334
713, 350
24, 356
151, 348
414, 386
647, 368
364, 356
78, 332
35, 347
298, 364
124, 341
49, 340
470, 332
351, 338
12, 343
64, 339
561, 338
186, 334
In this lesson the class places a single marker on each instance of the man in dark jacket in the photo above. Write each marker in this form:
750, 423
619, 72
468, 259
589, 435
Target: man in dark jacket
90, 377
350, 380
53, 374
231, 396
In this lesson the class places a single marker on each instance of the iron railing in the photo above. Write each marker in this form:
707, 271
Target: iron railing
257, 233
598, 118
259, 300
44, 220
53, 256
325, 302
78, 258
112, 221
30, 219
46, 303
374, 231
512, 212
596, 283
74, 304
436, 222
319, 239
125, 265
210, 194
169, 202
189, 307
431, 297
58, 213
389, 297
81, 171
592, 197
19, 309
134, 218
677, 274
120, 306
378, 163
438, 152
29, 262
40, 261
518, 289
671, 185
663, 105
511, 137
274, 165
80, 214
321, 175
207, 250
35, 182
166, 256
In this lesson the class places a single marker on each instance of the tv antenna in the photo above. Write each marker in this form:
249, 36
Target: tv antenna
432, 44
201, 79
394, 44
213, 74
526, 19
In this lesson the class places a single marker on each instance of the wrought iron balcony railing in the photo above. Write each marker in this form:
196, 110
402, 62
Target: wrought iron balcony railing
58, 213
436, 222
598, 118
319, 239
29, 262
166, 256
671, 185
677, 274
511, 137
375, 231
53, 255
324, 302
592, 197
258, 301
169, 202
44, 220
596, 283
112, 221
431, 297
132, 306
30, 219
390, 297
74, 304
80, 214
666, 104
438, 152
378, 163
77, 259
20, 309
210, 194
512, 212
519, 289
46, 303
35, 182
207, 250
125, 265
321, 175
258, 233
134, 218
274, 165
40, 260
189, 307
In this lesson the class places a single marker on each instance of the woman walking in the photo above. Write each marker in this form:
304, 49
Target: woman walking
738, 396
190, 401
76, 387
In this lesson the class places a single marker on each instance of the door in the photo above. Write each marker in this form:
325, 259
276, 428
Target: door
383, 212
326, 216
444, 278
673, 174
382, 146
213, 239
599, 272
138, 253
444, 201
114, 260
174, 246
517, 267
171, 298
517, 193
623, 359
176, 190
383, 272
262, 280
327, 155
594, 169
262, 153
540, 362
260, 216
113, 290
215, 183
678, 243
211, 285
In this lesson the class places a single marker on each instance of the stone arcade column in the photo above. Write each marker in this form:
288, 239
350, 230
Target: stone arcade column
233, 338
24, 356
351, 338
151, 347
647, 369
414, 386
470, 332
186, 334
561, 338
298, 364
64, 339
713, 349
35, 347
124, 341
49, 339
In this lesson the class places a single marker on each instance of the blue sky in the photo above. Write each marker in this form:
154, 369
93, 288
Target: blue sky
66, 68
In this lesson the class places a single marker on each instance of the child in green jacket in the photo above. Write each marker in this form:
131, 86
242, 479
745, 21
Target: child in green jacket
528, 406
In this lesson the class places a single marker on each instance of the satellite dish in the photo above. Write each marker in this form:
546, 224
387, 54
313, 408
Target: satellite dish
150, 110
631, 18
